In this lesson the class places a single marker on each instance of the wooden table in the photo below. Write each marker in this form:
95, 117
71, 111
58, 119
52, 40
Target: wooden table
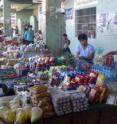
103, 114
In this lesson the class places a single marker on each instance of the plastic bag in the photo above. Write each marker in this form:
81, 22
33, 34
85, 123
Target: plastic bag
99, 55
21, 117
100, 80
36, 114
10, 116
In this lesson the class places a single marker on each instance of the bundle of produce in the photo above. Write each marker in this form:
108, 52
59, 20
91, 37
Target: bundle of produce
56, 77
7, 73
44, 63
60, 61
12, 62
69, 59
12, 54
78, 80
43, 76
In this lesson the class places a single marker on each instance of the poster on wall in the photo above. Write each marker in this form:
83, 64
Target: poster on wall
69, 13
107, 25
103, 21
115, 19
106, 21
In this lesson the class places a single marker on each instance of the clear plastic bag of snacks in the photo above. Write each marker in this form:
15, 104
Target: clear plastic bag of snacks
99, 55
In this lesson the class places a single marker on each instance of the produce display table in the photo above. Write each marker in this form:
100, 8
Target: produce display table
102, 114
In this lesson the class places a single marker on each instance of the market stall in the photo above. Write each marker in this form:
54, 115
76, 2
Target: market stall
46, 89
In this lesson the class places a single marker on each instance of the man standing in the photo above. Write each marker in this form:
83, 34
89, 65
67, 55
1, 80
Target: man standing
29, 35
66, 43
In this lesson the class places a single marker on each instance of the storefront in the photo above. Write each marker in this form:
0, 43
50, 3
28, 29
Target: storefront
37, 86
83, 20
93, 18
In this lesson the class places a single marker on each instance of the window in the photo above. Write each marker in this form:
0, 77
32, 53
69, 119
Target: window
86, 22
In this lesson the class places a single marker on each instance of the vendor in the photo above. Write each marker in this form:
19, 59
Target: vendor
85, 51
66, 43
39, 36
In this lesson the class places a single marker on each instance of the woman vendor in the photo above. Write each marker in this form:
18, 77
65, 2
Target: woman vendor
85, 51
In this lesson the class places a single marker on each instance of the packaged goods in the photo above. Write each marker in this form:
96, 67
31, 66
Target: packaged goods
61, 103
79, 102
101, 79
109, 60
21, 117
36, 114
39, 89
10, 116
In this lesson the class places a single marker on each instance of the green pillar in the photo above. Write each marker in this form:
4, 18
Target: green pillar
55, 26
7, 17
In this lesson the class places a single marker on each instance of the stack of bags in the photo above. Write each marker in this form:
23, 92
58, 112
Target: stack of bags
12, 112
68, 103
41, 97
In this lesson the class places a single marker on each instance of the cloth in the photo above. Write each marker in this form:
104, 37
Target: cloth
29, 36
66, 42
85, 52
66, 50
83, 66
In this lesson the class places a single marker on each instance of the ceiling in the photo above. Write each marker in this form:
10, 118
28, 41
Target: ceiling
25, 1
19, 7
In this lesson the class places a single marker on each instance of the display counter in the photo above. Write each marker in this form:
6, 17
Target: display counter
100, 114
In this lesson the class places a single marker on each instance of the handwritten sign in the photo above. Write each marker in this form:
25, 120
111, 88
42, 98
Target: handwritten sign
69, 13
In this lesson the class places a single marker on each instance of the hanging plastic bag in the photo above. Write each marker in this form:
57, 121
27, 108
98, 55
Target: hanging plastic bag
99, 55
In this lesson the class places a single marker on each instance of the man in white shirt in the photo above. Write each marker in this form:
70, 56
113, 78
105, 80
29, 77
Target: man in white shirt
85, 51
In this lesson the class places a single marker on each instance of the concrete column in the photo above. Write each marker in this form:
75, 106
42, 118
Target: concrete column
54, 26
7, 17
